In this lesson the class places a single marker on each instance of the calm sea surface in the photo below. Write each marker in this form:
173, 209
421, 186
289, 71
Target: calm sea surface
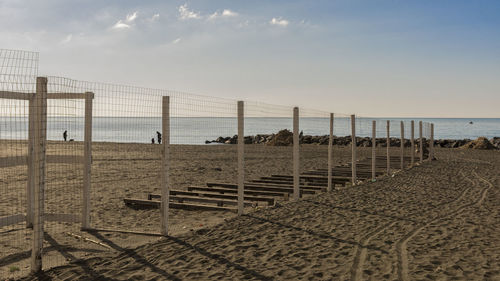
188, 130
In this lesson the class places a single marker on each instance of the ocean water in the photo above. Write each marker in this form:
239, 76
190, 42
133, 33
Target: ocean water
195, 130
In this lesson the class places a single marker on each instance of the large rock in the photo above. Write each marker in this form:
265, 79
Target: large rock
282, 138
480, 143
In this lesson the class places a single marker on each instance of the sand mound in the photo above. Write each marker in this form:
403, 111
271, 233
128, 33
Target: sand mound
480, 143
282, 138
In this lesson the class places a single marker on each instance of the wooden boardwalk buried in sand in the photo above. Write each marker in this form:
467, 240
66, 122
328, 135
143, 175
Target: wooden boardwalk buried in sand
436, 221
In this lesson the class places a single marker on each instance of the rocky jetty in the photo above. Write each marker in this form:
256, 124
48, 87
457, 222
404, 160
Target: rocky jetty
285, 137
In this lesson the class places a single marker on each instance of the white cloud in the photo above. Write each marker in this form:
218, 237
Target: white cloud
226, 13
176, 41
155, 17
185, 13
127, 23
279, 21
131, 17
229, 13
120, 25
67, 39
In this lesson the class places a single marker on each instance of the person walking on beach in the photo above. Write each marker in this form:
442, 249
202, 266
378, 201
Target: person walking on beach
152, 140
158, 134
65, 135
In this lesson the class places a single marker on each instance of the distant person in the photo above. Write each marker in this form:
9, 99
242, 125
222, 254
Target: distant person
158, 135
65, 135
152, 140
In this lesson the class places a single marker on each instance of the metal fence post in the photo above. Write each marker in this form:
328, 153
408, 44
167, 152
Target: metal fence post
353, 146
402, 145
412, 142
330, 154
296, 154
241, 157
374, 147
87, 166
39, 149
421, 141
432, 142
165, 164
388, 147
30, 189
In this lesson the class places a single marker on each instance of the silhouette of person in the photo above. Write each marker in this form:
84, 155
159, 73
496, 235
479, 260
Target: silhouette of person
152, 140
65, 135
158, 135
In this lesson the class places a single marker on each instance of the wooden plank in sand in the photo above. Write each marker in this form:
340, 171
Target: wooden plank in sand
284, 181
225, 190
10, 220
341, 172
261, 187
286, 184
198, 199
339, 179
190, 206
268, 200
13, 161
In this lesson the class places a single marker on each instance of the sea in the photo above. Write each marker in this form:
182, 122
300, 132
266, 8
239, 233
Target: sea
197, 130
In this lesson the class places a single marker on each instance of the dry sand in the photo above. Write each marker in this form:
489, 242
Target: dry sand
436, 221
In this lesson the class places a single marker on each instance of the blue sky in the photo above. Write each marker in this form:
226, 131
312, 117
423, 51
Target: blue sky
373, 58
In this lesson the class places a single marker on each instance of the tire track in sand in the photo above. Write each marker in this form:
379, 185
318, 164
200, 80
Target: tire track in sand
359, 260
401, 245
361, 251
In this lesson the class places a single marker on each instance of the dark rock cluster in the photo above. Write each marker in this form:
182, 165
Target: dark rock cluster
285, 137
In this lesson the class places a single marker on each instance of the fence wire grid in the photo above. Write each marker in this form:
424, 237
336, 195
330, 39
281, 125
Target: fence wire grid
105, 161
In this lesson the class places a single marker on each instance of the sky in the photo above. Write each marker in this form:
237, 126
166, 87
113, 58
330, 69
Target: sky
380, 58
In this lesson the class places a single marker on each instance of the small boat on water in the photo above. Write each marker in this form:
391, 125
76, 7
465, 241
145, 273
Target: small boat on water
471, 122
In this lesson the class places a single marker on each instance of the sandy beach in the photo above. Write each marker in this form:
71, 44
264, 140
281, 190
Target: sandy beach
435, 221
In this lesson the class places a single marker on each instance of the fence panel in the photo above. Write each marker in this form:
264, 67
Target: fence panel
269, 151
18, 70
314, 140
113, 153
203, 158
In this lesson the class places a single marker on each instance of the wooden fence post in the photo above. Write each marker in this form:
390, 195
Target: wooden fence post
39, 149
432, 142
353, 146
165, 194
412, 155
374, 148
421, 141
241, 156
30, 201
296, 154
330, 154
388, 147
402, 145
87, 165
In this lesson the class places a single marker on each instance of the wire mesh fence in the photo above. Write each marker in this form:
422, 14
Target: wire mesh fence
268, 150
90, 167
18, 70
